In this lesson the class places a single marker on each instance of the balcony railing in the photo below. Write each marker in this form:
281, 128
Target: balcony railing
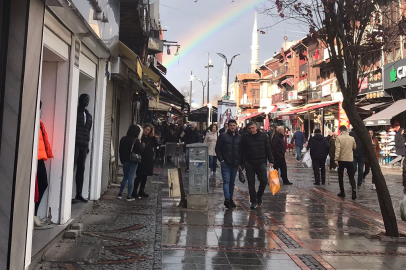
282, 70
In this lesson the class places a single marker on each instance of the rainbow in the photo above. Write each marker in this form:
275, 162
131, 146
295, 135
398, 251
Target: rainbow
193, 40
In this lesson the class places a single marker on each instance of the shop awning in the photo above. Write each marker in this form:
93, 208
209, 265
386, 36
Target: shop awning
313, 107
288, 81
200, 115
151, 89
371, 106
152, 75
383, 117
250, 116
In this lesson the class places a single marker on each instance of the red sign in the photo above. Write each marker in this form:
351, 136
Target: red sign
342, 116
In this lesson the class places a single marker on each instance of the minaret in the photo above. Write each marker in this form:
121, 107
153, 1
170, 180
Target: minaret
254, 46
224, 81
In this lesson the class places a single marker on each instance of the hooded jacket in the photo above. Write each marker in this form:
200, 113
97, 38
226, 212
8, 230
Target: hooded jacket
359, 151
256, 148
319, 147
345, 144
134, 135
400, 143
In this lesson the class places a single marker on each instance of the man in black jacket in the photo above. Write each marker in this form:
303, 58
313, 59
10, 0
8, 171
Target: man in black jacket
359, 158
192, 135
319, 149
256, 151
278, 151
224, 128
228, 152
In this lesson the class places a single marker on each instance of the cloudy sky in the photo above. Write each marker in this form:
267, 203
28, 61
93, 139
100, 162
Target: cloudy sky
213, 26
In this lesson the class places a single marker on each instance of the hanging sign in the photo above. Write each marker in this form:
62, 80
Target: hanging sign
342, 116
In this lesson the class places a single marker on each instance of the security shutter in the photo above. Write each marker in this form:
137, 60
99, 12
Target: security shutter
106, 177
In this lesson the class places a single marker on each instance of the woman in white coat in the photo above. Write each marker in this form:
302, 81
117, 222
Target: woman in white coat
211, 140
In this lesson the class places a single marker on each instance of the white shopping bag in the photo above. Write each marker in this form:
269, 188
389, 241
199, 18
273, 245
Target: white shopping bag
304, 150
403, 208
328, 160
307, 160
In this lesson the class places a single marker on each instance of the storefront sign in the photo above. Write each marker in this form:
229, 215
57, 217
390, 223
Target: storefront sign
379, 94
372, 83
227, 110
342, 116
77, 54
277, 98
292, 95
395, 74
326, 90
302, 86
385, 122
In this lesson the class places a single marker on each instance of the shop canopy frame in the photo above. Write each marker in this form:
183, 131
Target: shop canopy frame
200, 115
311, 107
251, 116
384, 117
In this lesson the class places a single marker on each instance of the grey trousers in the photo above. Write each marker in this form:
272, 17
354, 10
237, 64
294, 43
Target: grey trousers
397, 159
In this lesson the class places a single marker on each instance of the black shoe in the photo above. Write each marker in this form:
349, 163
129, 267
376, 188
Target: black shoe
143, 194
317, 184
341, 195
232, 204
354, 194
259, 202
254, 206
359, 185
227, 203
80, 198
288, 183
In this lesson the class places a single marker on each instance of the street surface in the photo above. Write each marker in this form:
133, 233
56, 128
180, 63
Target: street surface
301, 227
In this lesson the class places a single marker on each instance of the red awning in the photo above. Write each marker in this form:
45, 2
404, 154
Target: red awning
250, 116
321, 105
288, 81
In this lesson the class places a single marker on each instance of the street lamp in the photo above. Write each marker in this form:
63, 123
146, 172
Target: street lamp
204, 86
209, 106
209, 65
228, 67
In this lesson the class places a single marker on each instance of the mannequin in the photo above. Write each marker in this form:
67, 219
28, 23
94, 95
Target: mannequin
83, 128
44, 153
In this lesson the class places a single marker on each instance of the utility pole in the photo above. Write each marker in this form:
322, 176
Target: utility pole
209, 65
191, 86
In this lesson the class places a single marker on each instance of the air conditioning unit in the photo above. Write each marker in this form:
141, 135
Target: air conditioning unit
119, 69
316, 95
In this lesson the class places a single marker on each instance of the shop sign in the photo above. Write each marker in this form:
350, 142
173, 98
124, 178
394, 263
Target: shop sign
326, 90
384, 122
292, 95
371, 84
77, 54
379, 94
278, 98
302, 86
342, 116
395, 74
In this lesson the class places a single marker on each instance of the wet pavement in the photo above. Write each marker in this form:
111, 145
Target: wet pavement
301, 227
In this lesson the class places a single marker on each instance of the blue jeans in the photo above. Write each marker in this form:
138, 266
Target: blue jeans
228, 173
299, 152
359, 162
213, 163
129, 170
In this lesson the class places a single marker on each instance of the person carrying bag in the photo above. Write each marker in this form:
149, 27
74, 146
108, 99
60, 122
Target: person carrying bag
274, 183
130, 151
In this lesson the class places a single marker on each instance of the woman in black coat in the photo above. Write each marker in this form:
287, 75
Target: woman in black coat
146, 167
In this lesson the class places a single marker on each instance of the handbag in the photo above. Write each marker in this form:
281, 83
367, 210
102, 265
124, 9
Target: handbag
241, 176
274, 183
134, 157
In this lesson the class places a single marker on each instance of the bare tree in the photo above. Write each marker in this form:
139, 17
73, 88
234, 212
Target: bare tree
215, 99
185, 91
355, 33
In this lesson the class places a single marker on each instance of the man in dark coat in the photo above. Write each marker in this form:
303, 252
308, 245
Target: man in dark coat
359, 158
400, 147
224, 128
84, 124
256, 151
278, 151
192, 135
228, 152
298, 139
319, 149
